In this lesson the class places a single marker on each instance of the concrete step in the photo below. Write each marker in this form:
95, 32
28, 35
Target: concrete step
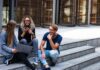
75, 53
74, 64
1, 57
95, 66
72, 45
17, 66
78, 63
71, 53
92, 42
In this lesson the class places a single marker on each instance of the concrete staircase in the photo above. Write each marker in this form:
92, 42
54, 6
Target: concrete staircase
73, 56
95, 66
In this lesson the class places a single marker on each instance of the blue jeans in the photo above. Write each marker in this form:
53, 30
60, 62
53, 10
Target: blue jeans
33, 43
49, 53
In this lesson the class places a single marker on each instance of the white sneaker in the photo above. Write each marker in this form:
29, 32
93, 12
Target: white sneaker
7, 61
35, 60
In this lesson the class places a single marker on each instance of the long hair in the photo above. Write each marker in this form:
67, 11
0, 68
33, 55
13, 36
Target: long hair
32, 25
10, 31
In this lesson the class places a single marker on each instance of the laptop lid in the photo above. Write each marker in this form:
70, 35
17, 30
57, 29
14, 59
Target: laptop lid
24, 48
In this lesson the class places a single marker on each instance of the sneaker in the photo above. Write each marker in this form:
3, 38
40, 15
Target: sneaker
8, 61
46, 68
35, 60
33, 68
51, 63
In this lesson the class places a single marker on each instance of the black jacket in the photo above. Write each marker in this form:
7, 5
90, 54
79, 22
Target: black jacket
27, 36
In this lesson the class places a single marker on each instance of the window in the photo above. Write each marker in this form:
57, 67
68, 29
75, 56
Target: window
65, 11
47, 11
94, 11
5, 11
81, 11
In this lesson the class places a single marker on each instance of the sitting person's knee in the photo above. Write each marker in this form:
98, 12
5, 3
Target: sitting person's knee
23, 41
35, 40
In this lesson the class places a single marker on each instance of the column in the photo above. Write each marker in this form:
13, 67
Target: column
11, 9
54, 10
89, 11
1, 13
57, 12
74, 12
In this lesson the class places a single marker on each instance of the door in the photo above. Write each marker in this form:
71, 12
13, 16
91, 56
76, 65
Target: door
93, 12
73, 12
40, 11
46, 12
66, 10
81, 12
28, 7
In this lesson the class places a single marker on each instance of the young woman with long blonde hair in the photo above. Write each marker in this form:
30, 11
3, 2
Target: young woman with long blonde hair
26, 35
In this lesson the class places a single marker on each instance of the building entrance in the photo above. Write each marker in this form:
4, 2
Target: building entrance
39, 10
73, 12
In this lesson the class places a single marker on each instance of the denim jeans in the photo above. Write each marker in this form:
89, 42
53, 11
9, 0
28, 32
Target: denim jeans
33, 43
49, 53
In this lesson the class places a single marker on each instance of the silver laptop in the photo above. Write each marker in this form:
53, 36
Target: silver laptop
24, 48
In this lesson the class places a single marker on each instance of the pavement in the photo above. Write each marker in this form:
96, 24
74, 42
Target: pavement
71, 34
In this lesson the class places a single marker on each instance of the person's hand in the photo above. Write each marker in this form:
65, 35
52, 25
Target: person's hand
43, 55
30, 31
25, 29
14, 50
49, 36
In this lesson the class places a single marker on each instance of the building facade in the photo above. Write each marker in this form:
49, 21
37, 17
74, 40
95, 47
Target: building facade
46, 12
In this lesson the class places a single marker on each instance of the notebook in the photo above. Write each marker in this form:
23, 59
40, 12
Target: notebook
24, 48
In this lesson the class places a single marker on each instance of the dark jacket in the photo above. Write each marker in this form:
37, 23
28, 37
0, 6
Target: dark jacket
27, 36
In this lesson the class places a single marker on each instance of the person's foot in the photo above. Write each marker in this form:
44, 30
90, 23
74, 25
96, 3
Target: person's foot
46, 67
51, 63
35, 60
33, 69
8, 61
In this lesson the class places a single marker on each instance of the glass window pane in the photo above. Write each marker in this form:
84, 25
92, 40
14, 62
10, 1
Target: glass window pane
5, 11
94, 11
40, 10
47, 10
65, 11
82, 11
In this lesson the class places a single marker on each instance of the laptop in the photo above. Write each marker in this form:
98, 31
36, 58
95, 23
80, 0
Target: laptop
24, 48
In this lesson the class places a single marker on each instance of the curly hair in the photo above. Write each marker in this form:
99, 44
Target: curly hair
32, 25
